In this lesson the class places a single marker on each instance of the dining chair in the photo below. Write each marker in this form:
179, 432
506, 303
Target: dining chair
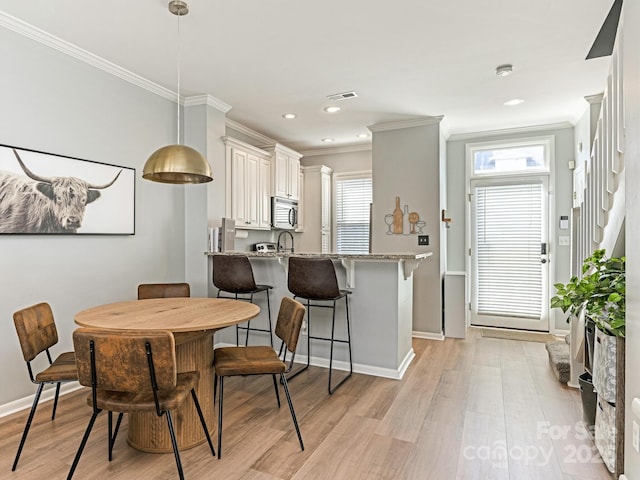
163, 290
37, 333
233, 274
262, 360
315, 280
133, 371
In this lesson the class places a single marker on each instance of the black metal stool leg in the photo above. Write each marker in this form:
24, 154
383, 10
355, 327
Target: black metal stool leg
293, 413
331, 390
295, 374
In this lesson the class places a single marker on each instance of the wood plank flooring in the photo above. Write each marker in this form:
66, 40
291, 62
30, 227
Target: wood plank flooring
480, 408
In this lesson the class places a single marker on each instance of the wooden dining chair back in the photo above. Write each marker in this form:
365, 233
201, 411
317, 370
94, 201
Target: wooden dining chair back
163, 290
37, 333
262, 360
133, 371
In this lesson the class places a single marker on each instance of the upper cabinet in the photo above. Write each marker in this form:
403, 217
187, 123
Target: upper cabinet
285, 171
248, 185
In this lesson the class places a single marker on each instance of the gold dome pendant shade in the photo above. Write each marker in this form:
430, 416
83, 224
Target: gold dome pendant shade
177, 164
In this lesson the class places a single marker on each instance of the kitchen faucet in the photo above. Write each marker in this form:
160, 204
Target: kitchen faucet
280, 246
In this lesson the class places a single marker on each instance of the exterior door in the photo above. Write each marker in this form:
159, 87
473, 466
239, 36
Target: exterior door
509, 262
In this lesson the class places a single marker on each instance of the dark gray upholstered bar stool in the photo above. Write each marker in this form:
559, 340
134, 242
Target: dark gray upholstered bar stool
233, 274
314, 280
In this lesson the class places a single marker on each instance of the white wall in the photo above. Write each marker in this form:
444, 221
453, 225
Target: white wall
561, 196
341, 162
54, 103
631, 62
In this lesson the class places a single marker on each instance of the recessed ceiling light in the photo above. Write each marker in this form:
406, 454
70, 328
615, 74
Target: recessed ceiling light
513, 102
289, 116
504, 70
332, 109
327, 140
363, 135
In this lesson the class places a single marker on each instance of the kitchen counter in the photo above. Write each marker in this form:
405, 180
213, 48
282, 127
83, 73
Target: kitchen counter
381, 308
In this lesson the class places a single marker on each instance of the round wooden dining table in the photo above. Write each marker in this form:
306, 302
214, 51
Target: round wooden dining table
193, 322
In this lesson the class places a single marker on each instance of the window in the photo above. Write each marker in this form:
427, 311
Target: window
516, 158
353, 203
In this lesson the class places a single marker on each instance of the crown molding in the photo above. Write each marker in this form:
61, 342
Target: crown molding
238, 127
336, 150
418, 122
40, 36
208, 100
597, 98
509, 131
234, 142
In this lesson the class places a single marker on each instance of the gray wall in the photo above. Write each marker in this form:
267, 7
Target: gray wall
631, 49
561, 193
406, 164
54, 103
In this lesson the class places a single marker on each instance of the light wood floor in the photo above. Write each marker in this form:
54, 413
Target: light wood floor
480, 408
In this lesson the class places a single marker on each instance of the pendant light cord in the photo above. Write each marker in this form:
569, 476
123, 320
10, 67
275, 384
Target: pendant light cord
179, 53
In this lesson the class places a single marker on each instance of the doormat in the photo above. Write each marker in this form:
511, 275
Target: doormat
519, 335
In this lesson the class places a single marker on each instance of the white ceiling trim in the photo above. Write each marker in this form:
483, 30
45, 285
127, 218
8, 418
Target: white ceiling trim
419, 122
238, 127
509, 131
34, 33
336, 150
209, 100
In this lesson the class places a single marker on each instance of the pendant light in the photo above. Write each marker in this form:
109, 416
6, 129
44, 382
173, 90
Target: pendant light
177, 163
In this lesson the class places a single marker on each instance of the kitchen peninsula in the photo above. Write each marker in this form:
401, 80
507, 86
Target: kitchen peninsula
380, 307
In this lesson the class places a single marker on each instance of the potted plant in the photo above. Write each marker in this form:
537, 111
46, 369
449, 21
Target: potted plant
600, 291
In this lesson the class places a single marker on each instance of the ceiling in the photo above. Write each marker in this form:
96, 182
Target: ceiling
405, 59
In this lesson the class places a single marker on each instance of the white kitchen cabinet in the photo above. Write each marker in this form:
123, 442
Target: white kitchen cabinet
285, 171
300, 227
248, 185
317, 205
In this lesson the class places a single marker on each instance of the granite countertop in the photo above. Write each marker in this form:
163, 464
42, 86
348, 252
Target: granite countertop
337, 256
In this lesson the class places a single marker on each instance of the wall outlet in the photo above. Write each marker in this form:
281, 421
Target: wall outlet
423, 239
564, 241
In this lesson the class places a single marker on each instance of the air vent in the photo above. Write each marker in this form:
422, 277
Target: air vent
342, 96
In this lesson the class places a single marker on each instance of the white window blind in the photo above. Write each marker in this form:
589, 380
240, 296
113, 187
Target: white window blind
353, 199
508, 236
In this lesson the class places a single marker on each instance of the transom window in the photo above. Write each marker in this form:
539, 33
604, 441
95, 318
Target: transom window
531, 156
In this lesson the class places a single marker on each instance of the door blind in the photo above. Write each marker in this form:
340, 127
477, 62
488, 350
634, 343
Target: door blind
507, 251
353, 197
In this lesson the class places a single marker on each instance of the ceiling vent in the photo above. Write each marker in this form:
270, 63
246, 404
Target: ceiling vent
342, 96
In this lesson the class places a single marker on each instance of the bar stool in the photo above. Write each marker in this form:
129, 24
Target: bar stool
314, 280
233, 274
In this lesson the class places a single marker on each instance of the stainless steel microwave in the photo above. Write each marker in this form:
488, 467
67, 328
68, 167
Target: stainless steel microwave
284, 213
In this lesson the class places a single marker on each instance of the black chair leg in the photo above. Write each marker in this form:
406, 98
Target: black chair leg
27, 426
269, 315
215, 387
333, 325
275, 386
82, 444
293, 413
113, 433
174, 444
202, 420
55, 401
220, 419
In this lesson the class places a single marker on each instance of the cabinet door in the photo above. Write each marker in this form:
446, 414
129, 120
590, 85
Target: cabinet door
238, 186
293, 178
251, 191
264, 193
281, 172
301, 203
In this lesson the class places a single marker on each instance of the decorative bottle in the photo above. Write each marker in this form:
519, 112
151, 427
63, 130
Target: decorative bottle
406, 227
397, 218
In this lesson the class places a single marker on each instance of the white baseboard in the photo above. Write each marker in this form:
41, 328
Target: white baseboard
373, 370
47, 394
428, 335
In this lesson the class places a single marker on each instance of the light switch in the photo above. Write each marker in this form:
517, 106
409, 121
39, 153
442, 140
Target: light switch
564, 241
